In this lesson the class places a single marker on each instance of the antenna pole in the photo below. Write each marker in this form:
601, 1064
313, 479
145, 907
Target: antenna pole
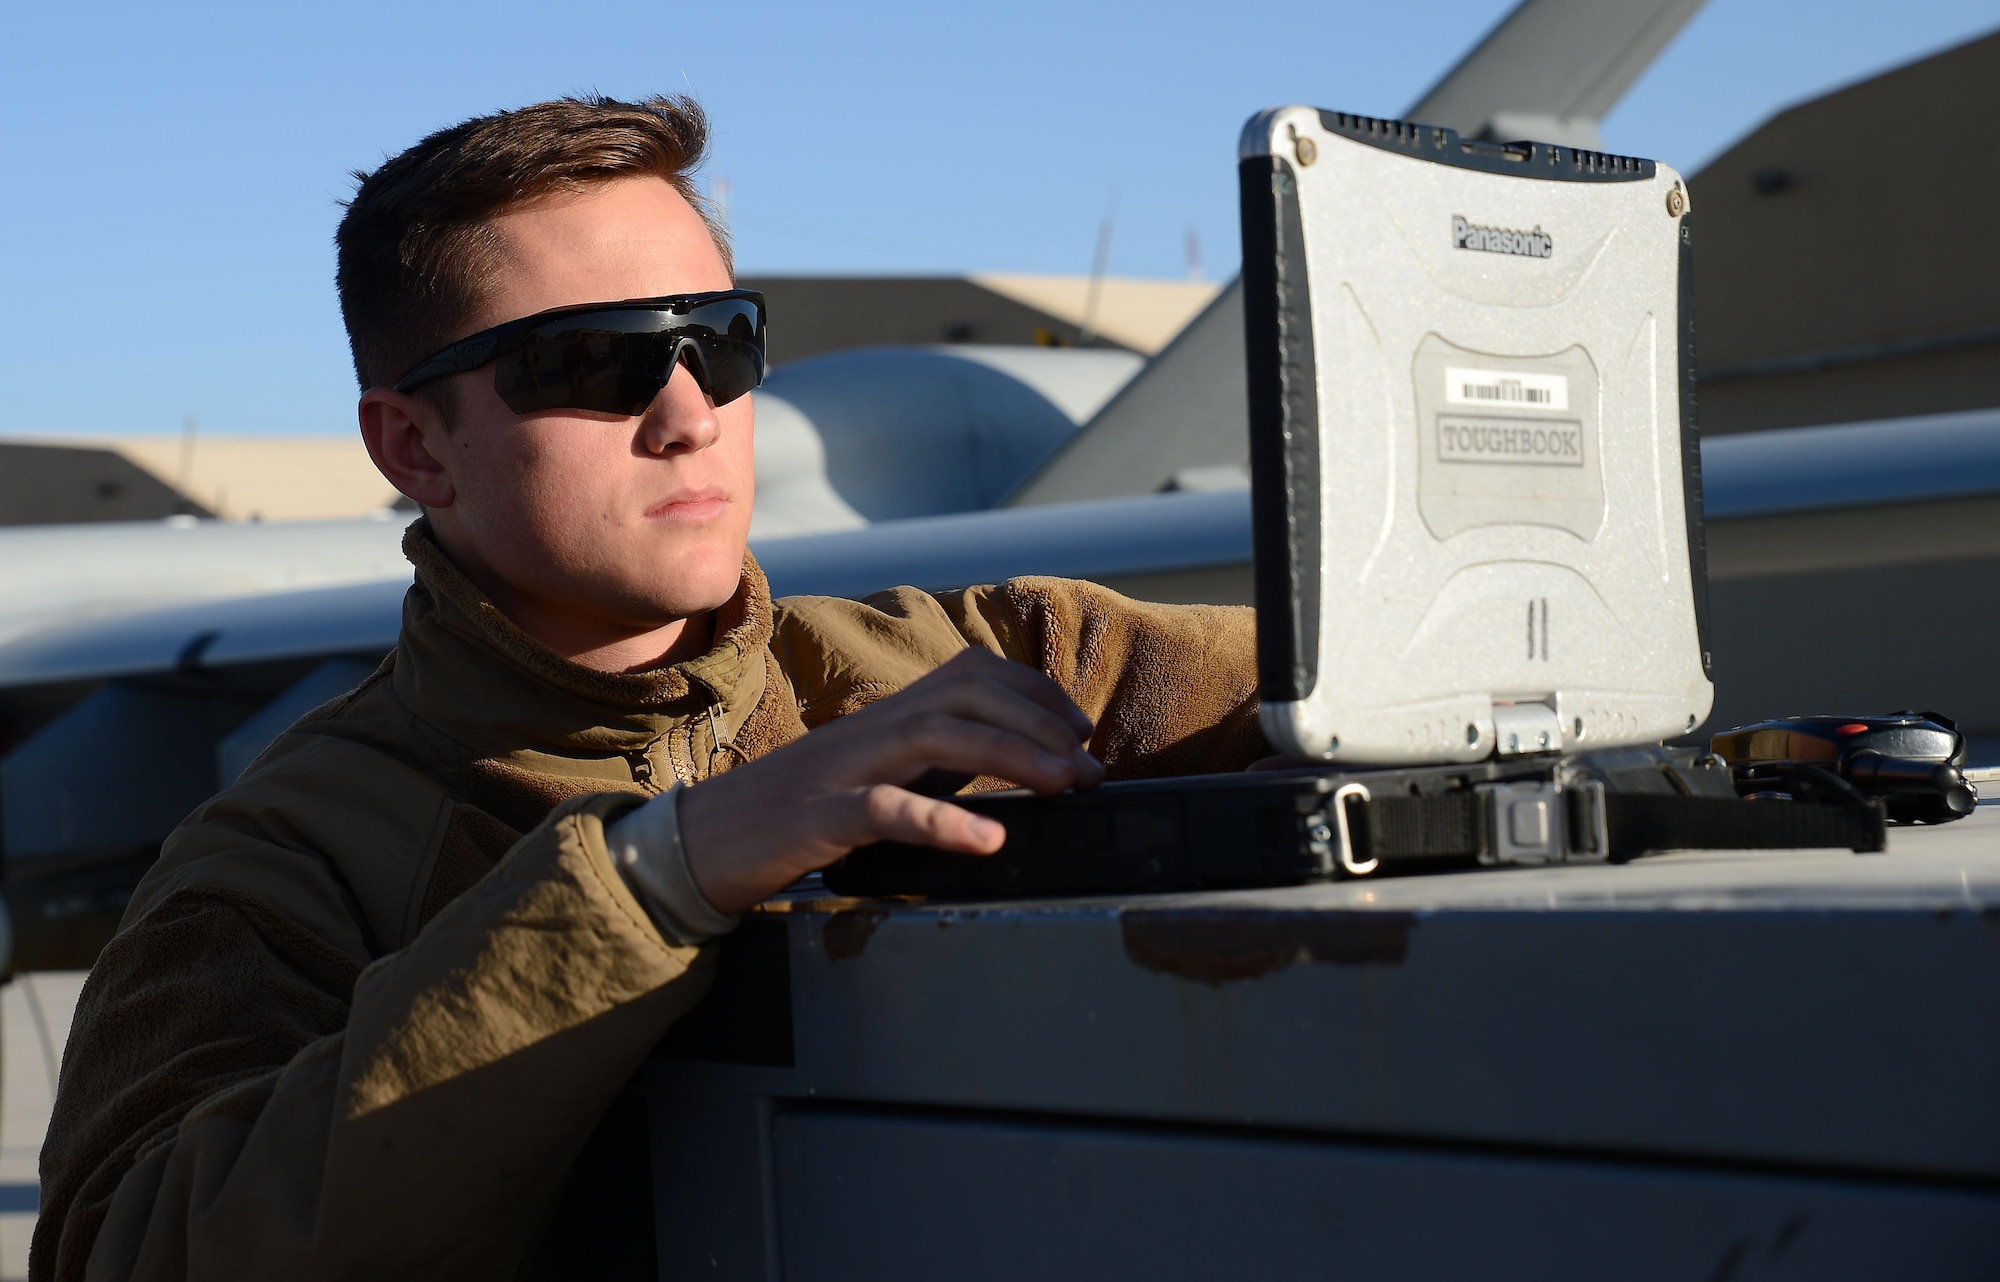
1088, 330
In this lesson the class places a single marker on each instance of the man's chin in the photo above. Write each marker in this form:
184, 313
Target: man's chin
695, 581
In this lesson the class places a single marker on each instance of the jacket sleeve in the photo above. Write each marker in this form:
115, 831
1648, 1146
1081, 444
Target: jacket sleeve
242, 1098
1172, 688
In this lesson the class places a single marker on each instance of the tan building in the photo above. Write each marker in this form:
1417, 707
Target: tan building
246, 478
1846, 266
815, 314
61, 481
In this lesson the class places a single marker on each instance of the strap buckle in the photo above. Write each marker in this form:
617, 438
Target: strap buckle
1345, 849
1542, 822
1331, 839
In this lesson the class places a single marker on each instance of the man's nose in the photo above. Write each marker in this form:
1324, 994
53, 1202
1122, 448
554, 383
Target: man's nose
681, 416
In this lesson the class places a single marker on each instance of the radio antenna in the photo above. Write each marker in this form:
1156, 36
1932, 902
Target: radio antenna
1099, 264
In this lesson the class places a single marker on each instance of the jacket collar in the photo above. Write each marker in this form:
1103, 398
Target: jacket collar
467, 670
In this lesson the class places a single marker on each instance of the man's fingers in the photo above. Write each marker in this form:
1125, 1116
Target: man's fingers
937, 740
755, 829
982, 697
885, 813
1022, 680
973, 720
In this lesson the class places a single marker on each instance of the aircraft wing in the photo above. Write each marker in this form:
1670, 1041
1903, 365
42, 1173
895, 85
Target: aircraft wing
1551, 69
1107, 540
1115, 541
61, 573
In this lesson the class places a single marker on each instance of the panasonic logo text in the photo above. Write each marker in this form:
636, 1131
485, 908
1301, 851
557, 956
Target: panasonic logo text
1501, 240
1547, 442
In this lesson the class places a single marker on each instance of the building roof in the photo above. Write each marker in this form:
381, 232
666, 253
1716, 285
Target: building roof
1844, 264
1143, 315
812, 315
244, 478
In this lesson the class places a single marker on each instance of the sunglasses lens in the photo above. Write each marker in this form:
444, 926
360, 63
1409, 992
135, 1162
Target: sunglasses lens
584, 369
729, 337
616, 361
728, 369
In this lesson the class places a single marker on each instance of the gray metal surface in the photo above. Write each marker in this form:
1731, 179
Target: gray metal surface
892, 1197
359, 618
156, 741
1184, 410
1721, 1064
793, 494
920, 431
1805, 469
59, 574
1107, 539
242, 745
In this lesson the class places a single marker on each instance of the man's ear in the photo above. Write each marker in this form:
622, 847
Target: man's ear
398, 429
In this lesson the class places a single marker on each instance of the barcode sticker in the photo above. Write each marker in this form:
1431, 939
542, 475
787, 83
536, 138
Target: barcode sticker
1501, 389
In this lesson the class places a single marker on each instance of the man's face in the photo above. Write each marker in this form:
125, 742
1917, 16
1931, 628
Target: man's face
598, 524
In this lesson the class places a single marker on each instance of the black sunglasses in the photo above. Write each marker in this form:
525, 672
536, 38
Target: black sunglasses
613, 357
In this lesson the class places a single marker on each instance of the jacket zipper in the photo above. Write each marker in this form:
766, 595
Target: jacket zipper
718, 741
642, 770
642, 760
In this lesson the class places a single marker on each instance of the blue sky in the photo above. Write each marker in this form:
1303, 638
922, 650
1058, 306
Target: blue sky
173, 171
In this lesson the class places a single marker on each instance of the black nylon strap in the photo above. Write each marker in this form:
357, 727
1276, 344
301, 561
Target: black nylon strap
1642, 823
1458, 825
1450, 825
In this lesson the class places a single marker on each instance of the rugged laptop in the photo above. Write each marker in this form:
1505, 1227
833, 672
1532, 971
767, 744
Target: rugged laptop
1476, 495
1477, 484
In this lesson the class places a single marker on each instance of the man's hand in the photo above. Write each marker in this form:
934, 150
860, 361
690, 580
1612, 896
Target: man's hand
756, 829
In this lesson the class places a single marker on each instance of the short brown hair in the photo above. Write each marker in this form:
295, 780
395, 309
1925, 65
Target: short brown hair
414, 251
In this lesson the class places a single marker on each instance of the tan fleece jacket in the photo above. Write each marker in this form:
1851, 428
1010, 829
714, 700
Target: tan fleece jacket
364, 1012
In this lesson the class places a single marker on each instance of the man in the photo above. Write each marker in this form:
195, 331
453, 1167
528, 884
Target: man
364, 1013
